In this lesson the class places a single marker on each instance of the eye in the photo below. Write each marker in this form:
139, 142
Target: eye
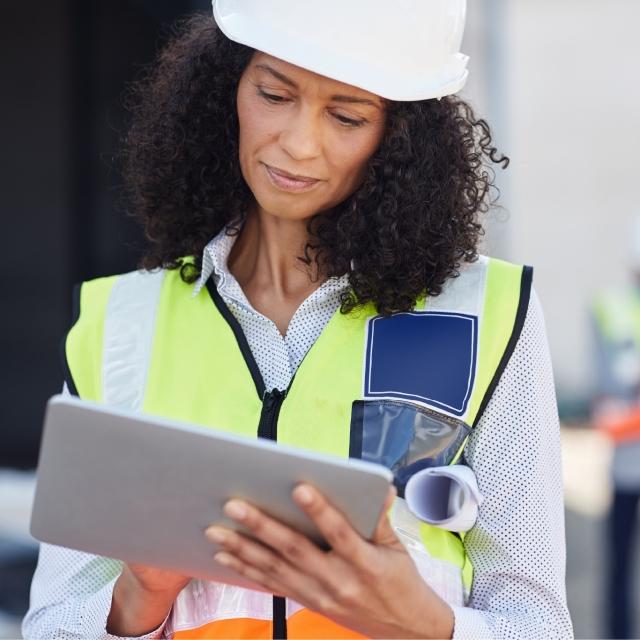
271, 97
348, 122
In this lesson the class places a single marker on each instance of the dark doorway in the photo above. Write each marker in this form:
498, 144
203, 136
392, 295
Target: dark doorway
64, 67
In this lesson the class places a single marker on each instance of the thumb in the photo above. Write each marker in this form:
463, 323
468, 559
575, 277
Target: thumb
384, 533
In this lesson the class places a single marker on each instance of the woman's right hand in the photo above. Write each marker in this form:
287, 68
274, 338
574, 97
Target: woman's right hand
142, 599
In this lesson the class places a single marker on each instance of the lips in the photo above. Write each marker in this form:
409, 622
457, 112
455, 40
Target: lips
289, 181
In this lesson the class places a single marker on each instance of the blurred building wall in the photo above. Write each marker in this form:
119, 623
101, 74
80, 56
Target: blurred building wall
573, 133
486, 45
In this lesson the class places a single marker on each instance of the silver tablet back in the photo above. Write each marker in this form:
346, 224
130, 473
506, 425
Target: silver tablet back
143, 489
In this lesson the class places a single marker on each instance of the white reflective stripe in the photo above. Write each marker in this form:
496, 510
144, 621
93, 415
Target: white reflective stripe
293, 607
464, 294
128, 338
445, 578
202, 602
404, 522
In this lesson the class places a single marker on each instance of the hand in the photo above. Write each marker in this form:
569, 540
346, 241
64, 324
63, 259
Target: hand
153, 580
142, 599
371, 587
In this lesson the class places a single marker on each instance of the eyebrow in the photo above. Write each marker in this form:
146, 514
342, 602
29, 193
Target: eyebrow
354, 100
276, 74
337, 98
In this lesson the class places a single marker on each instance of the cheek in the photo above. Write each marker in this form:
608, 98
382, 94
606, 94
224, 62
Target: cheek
257, 128
350, 158
249, 131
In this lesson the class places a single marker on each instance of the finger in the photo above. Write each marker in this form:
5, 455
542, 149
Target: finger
334, 527
291, 545
305, 591
253, 554
255, 575
384, 533
287, 583
264, 566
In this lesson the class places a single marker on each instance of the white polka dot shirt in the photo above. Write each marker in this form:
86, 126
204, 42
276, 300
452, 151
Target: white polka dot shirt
517, 546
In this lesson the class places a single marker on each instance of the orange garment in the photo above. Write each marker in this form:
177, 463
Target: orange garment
620, 425
302, 625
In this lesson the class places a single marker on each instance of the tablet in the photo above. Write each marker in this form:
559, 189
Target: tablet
143, 489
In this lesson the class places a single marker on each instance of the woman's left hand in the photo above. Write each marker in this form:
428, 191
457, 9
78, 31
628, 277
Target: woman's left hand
371, 587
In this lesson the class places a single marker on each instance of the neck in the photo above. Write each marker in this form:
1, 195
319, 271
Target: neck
265, 262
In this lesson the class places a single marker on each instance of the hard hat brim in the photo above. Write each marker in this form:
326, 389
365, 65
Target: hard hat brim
294, 49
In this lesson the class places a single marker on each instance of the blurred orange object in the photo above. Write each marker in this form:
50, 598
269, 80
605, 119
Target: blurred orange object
620, 425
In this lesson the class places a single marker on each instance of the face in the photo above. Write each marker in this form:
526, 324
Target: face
304, 139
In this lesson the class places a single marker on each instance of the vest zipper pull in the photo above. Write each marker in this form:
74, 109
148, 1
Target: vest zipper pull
271, 403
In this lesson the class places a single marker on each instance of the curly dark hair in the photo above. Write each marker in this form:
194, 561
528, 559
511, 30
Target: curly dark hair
407, 229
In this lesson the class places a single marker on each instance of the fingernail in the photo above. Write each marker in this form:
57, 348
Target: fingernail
217, 535
303, 495
223, 558
235, 509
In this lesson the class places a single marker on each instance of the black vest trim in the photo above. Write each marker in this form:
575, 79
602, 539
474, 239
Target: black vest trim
75, 315
240, 337
521, 315
279, 618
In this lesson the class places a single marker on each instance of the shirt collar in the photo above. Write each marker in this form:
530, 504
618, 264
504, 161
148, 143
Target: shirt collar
214, 264
214, 261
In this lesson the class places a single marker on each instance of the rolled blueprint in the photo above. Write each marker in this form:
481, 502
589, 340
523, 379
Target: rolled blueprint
445, 497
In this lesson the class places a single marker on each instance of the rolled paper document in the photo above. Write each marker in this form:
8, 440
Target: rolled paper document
445, 497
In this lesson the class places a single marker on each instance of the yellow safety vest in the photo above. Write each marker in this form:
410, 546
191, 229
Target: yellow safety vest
404, 390
617, 314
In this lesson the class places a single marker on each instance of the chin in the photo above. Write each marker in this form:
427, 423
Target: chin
286, 208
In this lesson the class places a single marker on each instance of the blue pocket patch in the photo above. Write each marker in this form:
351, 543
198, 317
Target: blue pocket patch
426, 356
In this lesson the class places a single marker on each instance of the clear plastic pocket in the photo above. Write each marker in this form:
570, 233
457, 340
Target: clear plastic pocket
404, 437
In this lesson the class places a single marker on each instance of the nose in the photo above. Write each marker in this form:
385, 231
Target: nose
301, 139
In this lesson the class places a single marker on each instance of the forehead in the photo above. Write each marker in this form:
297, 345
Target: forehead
305, 78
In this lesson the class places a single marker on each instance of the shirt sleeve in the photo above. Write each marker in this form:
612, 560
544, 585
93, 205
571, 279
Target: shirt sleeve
71, 596
517, 546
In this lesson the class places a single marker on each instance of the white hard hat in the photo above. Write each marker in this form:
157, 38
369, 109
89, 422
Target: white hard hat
397, 49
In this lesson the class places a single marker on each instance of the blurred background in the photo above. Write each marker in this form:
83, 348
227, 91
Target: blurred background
554, 79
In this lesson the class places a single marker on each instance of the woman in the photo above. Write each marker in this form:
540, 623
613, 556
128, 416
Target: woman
314, 213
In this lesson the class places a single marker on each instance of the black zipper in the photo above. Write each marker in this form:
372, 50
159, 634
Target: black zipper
279, 618
268, 429
271, 404
267, 426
